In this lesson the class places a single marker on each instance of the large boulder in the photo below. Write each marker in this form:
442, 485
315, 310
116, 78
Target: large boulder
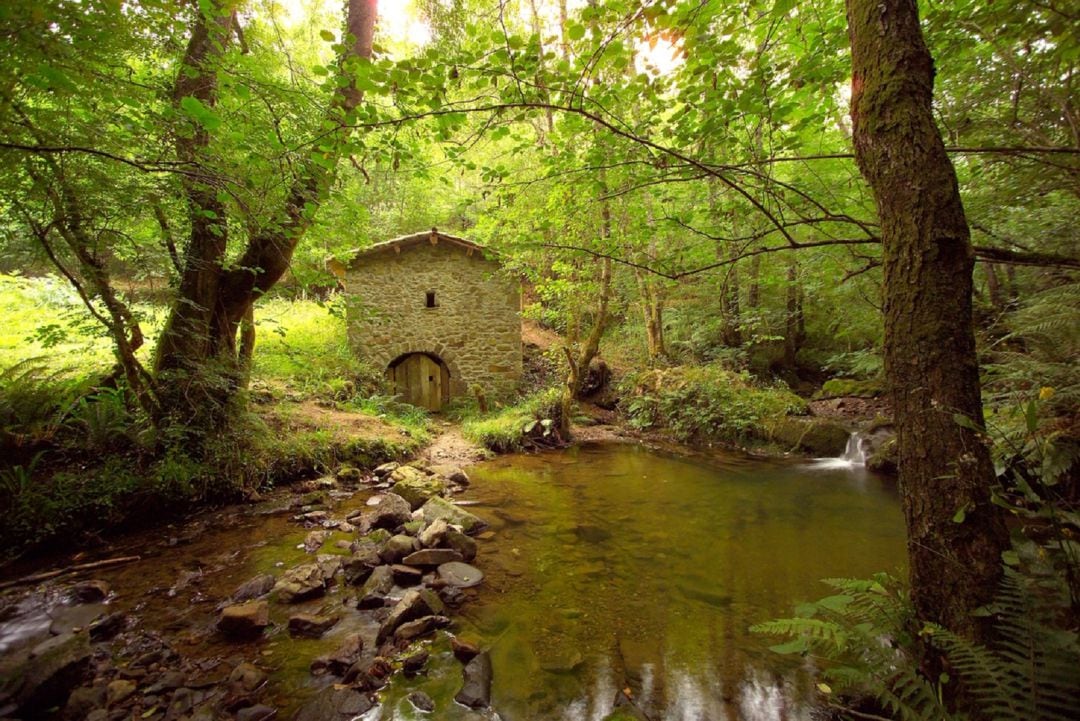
244, 620
390, 512
375, 589
310, 625
301, 583
816, 436
338, 662
431, 557
415, 486
476, 691
397, 548
43, 676
358, 566
415, 604
334, 703
438, 508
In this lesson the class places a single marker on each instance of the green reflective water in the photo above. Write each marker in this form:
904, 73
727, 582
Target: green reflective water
619, 567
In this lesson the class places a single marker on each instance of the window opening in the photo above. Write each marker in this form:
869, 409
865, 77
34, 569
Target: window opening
431, 299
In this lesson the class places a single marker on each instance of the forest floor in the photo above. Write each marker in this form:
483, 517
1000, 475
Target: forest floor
450, 446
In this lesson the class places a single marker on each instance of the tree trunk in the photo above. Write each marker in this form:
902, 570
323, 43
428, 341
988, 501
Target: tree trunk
993, 287
753, 295
793, 323
197, 358
930, 360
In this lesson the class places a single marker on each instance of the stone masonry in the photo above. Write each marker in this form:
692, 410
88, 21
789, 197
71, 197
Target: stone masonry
473, 327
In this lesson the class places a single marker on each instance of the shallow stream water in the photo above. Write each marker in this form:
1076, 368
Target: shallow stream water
609, 568
620, 567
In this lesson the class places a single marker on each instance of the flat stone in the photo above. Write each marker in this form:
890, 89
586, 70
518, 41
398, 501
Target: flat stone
334, 704
310, 625
258, 586
437, 507
476, 690
66, 619
406, 575
461, 575
432, 557
301, 583
414, 604
45, 676
419, 628
374, 591
244, 620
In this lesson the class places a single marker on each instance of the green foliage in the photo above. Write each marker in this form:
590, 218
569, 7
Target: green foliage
509, 429
835, 387
103, 420
706, 403
869, 637
34, 401
303, 345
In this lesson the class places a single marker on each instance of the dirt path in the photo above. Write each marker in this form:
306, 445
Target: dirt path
450, 446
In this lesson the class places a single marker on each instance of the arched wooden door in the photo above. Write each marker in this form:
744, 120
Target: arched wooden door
421, 380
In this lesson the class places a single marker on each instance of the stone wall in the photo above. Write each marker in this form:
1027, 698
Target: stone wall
474, 327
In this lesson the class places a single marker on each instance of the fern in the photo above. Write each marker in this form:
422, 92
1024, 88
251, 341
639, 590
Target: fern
867, 636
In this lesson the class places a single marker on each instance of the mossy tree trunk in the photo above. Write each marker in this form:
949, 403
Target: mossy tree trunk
198, 362
930, 359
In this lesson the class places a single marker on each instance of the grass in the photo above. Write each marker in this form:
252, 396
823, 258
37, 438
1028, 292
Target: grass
506, 429
76, 458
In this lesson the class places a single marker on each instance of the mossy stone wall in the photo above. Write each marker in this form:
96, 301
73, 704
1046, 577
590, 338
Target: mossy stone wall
474, 327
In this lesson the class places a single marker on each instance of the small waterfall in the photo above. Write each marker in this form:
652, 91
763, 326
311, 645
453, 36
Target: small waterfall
855, 452
854, 455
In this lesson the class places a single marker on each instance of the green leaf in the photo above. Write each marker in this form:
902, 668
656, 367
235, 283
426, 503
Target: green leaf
327, 35
575, 31
797, 645
200, 113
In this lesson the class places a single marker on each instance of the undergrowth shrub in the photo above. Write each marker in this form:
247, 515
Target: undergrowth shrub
511, 428
705, 402
35, 400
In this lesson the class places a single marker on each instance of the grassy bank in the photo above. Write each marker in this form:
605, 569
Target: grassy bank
78, 458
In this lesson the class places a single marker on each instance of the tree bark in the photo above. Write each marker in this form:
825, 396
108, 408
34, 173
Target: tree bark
198, 350
930, 360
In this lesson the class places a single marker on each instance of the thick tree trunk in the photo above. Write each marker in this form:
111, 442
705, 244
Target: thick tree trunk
930, 359
197, 355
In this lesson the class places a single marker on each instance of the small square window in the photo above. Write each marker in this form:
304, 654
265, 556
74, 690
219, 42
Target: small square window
430, 299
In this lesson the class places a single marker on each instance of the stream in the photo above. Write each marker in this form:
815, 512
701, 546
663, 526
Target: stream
610, 568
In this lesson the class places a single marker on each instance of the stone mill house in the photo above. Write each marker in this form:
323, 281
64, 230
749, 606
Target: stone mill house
434, 311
